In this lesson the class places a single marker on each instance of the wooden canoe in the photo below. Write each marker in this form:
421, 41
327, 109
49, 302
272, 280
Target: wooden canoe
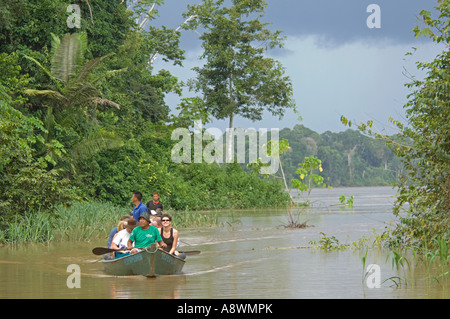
149, 262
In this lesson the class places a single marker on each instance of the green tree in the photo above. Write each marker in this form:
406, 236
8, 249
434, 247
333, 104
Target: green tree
282, 147
12, 81
308, 176
70, 75
237, 78
74, 96
26, 184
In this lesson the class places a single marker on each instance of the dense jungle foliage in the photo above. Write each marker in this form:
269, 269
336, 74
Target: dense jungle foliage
83, 115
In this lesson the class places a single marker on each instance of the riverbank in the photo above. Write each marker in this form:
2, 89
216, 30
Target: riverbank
88, 221
85, 221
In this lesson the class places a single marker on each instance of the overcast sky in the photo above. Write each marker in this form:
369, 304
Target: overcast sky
338, 65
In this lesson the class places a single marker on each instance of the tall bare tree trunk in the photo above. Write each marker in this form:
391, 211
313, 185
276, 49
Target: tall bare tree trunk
285, 184
230, 140
349, 160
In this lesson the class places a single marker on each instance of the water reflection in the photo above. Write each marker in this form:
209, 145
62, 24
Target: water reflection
164, 287
252, 257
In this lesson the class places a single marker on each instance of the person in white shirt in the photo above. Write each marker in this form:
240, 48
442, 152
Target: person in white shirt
120, 240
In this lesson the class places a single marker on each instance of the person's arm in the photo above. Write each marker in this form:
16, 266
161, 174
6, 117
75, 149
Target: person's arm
175, 240
112, 241
114, 246
112, 233
162, 244
131, 240
130, 244
132, 249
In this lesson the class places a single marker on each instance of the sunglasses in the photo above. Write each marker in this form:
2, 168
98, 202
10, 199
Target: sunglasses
165, 220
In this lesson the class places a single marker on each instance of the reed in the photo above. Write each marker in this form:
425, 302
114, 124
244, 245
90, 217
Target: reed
86, 221
29, 228
187, 219
435, 259
81, 221
430, 259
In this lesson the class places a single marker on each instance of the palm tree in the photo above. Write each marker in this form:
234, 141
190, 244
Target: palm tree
74, 94
71, 85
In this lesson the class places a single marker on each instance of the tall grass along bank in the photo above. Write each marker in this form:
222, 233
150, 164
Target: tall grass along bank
84, 221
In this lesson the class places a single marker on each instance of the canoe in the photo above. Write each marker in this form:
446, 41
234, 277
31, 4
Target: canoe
149, 262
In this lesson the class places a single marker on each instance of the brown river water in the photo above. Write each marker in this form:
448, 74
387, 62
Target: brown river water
250, 256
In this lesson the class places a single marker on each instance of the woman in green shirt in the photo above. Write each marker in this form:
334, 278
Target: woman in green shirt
145, 235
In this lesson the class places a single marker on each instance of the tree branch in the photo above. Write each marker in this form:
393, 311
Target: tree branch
90, 11
146, 19
155, 56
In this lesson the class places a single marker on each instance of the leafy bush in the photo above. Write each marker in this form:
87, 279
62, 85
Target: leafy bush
25, 182
205, 186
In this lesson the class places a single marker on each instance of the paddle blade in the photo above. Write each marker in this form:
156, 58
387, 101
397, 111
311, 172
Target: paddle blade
101, 250
191, 253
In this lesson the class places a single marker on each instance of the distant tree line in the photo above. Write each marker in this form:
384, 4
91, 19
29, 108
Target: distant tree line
348, 158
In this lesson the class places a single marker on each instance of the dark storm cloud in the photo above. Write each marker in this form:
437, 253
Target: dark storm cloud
343, 21
335, 22
338, 65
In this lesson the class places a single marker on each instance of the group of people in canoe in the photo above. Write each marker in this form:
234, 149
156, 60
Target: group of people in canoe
145, 226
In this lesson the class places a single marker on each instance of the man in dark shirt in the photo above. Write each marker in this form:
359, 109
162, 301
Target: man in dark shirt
155, 203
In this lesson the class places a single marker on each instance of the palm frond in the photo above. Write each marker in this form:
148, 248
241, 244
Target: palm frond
108, 74
83, 93
84, 44
73, 118
105, 102
46, 94
80, 92
67, 57
90, 66
95, 142
43, 69
55, 42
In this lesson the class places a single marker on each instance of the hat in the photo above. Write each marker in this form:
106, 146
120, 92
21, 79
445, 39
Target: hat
131, 224
146, 216
156, 213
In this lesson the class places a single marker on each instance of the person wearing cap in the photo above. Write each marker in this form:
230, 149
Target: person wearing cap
144, 235
120, 241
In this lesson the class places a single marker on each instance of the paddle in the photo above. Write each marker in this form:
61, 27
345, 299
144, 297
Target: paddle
102, 250
190, 253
